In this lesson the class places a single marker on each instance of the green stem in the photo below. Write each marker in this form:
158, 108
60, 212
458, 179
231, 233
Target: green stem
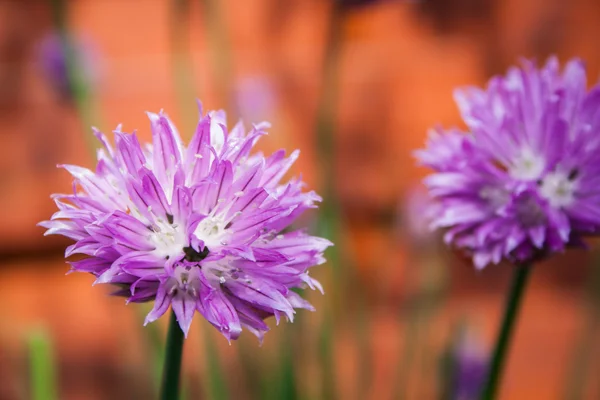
409, 354
172, 368
41, 367
513, 302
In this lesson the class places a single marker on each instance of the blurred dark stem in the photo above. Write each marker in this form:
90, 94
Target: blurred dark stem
181, 62
286, 382
513, 302
77, 82
173, 356
583, 350
329, 217
218, 47
326, 354
363, 329
409, 353
325, 132
419, 310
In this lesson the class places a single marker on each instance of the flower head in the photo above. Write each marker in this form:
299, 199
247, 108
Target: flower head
523, 183
196, 228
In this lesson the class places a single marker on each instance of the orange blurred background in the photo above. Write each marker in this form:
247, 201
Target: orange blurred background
398, 64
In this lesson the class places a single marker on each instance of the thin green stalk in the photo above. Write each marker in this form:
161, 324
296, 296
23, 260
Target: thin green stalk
173, 356
286, 382
329, 221
326, 354
513, 302
329, 218
42, 376
409, 353
363, 328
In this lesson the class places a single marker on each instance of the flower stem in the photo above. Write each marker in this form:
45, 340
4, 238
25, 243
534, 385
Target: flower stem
172, 366
513, 302
42, 368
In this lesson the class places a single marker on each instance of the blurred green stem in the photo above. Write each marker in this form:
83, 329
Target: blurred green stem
325, 133
42, 376
77, 82
409, 353
326, 354
421, 308
329, 213
173, 356
513, 302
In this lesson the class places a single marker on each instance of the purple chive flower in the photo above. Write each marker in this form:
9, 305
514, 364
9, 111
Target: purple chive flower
415, 212
255, 97
525, 182
196, 228
52, 58
469, 368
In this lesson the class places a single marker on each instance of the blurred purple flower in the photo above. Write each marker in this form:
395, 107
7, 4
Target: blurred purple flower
469, 368
525, 183
196, 228
255, 97
52, 58
415, 216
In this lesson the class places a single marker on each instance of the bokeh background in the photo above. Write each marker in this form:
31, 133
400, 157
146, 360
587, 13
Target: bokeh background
355, 87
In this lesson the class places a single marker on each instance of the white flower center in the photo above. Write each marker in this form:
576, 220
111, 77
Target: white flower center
213, 231
558, 188
168, 239
527, 166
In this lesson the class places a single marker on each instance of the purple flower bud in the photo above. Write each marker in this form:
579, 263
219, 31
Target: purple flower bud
52, 58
